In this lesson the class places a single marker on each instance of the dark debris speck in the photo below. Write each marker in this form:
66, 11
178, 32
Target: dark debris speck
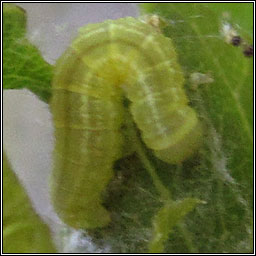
236, 40
248, 51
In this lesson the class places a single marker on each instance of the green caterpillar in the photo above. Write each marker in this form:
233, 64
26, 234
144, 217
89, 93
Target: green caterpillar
106, 62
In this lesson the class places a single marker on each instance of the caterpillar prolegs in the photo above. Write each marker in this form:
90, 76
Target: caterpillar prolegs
106, 62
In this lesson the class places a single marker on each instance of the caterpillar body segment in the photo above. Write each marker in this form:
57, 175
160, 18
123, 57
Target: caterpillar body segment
88, 140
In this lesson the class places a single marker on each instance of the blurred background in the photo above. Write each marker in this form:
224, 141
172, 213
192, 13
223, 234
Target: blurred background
27, 126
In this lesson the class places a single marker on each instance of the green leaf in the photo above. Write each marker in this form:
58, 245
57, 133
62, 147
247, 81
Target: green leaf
23, 230
240, 14
167, 217
23, 65
221, 175
224, 176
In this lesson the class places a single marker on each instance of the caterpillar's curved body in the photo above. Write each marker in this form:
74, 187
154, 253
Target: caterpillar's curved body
122, 57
